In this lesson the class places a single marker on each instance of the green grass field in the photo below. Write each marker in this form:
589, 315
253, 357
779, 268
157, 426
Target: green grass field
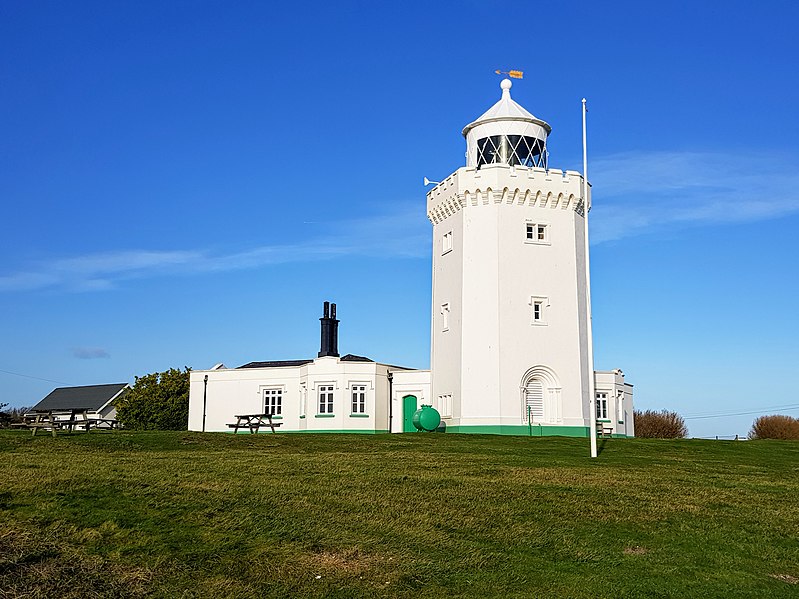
166, 514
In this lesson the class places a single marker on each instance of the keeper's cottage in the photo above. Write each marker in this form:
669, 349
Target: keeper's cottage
511, 315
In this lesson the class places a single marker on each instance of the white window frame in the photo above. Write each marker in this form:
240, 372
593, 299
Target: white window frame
446, 243
539, 231
273, 396
602, 406
539, 308
620, 406
358, 405
445, 317
303, 399
329, 401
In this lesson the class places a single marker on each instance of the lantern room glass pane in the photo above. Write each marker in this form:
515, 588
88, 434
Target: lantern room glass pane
515, 150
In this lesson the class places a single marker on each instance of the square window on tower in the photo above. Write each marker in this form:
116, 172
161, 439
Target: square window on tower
537, 233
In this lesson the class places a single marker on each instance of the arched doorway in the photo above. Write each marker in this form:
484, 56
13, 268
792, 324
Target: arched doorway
534, 400
540, 396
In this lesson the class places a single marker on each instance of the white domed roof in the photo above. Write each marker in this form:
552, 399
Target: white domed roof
507, 134
506, 110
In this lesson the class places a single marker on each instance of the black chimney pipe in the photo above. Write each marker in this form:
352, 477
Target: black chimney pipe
329, 344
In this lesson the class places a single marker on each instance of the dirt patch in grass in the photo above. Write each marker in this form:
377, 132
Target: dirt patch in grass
786, 578
349, 561
635, 550
36, 564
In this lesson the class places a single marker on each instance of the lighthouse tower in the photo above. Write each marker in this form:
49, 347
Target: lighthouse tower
511, 326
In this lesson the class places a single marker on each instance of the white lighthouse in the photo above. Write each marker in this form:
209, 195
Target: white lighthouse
511, 314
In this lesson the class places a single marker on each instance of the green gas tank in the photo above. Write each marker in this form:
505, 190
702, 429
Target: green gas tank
426, 419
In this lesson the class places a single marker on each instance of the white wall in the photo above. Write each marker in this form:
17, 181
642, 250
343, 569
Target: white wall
409, 382
489, 279
620, 400
240, 391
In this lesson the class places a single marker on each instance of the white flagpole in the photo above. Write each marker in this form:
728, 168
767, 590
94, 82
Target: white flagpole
590, 340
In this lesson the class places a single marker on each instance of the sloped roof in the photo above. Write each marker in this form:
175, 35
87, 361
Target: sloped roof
89, 397
295, 363
354, 358
276, 364
506, 109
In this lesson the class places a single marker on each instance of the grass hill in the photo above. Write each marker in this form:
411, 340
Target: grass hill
163, 514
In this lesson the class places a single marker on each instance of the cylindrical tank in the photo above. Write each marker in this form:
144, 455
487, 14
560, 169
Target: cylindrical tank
426, 418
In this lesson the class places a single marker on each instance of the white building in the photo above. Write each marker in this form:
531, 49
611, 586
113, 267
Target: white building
511, 326
329, 393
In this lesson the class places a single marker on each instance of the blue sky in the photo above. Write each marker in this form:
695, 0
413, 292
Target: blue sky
184, 183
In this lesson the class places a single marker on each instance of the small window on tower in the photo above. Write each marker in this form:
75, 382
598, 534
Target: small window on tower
446, 243
539, 310
537, 233
445, 317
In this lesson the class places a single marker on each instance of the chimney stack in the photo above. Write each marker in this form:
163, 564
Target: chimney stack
329, 344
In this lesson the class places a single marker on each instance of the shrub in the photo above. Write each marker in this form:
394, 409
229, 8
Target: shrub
157, 401
11, 415
659, 425
775, 427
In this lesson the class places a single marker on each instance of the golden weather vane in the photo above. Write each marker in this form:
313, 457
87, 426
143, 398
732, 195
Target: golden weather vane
512, 74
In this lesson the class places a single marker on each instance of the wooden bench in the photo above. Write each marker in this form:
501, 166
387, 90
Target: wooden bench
253, 422
103, 423
42, 420
75, 420
604, 429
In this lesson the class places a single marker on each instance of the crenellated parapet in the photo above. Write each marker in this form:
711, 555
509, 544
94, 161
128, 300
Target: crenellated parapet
494, 184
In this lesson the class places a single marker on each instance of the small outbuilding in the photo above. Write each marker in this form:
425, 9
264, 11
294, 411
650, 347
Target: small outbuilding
97, 401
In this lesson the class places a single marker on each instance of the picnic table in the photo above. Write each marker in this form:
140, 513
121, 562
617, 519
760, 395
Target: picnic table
253, 422
69, 420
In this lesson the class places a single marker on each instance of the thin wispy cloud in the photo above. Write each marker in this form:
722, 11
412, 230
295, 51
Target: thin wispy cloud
638, 192
402, 234
634, 193
90, 353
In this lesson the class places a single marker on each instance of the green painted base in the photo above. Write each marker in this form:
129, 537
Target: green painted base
537, 430
519, 431
345, 432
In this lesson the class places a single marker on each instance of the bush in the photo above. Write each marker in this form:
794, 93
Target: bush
659, 425
775, 427
10, 416
157, 401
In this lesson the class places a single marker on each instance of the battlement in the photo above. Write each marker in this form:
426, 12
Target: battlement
504, 184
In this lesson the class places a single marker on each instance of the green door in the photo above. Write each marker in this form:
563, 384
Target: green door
408, 409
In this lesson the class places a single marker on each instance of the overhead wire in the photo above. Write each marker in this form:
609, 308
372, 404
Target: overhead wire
711, 412
758, 411
38, 378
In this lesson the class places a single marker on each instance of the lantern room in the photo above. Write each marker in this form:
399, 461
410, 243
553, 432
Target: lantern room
507, 134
